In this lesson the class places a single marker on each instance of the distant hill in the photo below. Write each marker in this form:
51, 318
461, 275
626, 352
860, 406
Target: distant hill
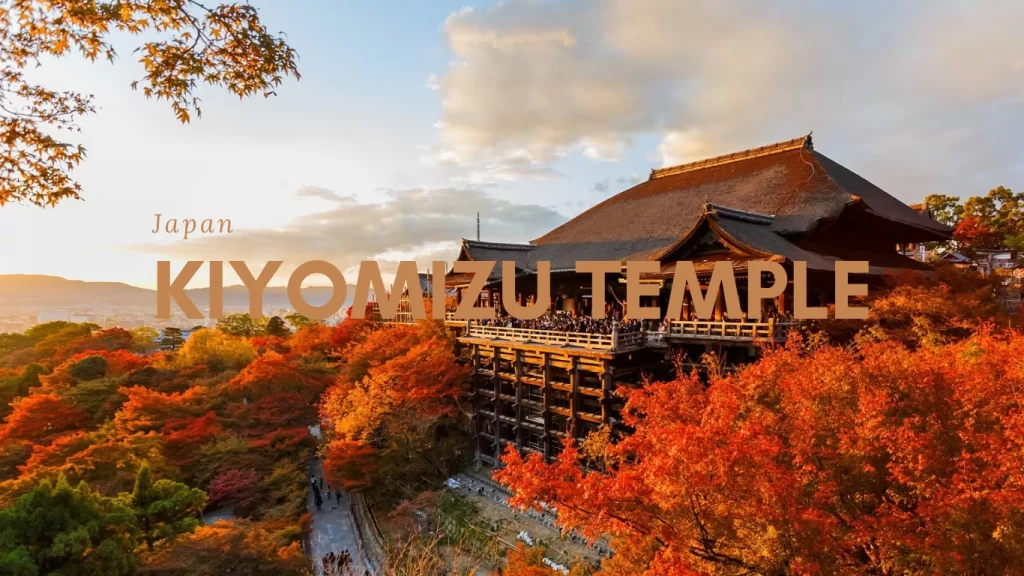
36, 290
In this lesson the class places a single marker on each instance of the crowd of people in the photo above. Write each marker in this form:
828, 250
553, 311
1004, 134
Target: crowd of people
566, 322
318, 494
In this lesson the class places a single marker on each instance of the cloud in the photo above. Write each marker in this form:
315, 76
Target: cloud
322, 193
416, 223
911, 91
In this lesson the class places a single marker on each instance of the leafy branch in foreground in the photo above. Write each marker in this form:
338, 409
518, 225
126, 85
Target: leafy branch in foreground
224, 45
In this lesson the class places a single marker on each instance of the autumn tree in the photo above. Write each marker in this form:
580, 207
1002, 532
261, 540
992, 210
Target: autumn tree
236, 488
163, 508
312, 339
997, 217
185, 437
38, 418
391, 415
992, 221
273, 373
914, 308
214, 349
57, 529
236, 547
526, 560
822, 460
149, 410
298, 321
187, 43
15, 383
237, 324
144, 339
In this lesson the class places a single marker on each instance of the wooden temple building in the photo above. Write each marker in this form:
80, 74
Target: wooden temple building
785, 202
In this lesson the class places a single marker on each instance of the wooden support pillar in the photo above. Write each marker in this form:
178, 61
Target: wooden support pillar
719, 302
496, 383
547, 407
782, 303
519, 399
606, 392
574, 396
475, 390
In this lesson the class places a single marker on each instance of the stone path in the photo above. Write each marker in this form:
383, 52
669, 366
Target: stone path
334, 530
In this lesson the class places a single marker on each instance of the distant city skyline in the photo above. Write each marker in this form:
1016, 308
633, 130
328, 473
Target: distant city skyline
407, 123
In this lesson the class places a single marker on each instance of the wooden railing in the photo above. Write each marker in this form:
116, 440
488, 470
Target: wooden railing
770, 330
543, 337
629, 340
655, 339
735, 331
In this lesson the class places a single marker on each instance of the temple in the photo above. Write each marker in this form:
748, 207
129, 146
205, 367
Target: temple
536, 382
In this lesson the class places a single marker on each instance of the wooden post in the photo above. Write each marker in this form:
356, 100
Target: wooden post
547, 407
519, 399
574, 395
496, 383
718, 306
606, 392
475, 385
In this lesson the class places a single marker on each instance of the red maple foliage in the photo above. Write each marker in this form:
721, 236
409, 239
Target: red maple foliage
882, 460
971, 231
236, 488
184, 436
147, 409
313, 339
39, 418
273, 373
349, 464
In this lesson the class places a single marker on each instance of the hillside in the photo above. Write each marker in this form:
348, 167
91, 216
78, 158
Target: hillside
41, 291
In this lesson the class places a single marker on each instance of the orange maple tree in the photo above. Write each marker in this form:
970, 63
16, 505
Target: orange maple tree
39, 418
823, 460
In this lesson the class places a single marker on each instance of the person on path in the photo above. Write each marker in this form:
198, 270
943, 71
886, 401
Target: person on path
318, 501
343, 560
337, 496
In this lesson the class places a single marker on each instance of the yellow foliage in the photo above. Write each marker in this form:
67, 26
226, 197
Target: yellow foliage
211, 348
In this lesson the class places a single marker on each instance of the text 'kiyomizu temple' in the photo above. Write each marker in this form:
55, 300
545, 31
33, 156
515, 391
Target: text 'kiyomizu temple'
535, 382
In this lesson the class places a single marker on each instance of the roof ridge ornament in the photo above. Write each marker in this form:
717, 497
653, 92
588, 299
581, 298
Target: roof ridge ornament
497, 245
804, 142
715, 211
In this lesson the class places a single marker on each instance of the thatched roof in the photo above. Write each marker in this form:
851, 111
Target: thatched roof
797, 186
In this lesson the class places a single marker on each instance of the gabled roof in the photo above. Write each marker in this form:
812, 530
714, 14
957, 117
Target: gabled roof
492, 251
766, 198
747, 235
956, 258
790, 180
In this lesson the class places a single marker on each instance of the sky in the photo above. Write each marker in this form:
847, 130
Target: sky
411, 117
